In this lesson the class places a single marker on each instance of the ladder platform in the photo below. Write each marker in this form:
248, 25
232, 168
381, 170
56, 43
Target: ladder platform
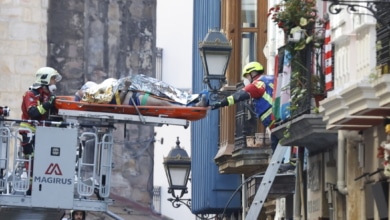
189, 113
266, 183
81, 204
122, 118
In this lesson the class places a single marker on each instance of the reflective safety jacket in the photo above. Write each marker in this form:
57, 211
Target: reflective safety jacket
32, 107
263, 105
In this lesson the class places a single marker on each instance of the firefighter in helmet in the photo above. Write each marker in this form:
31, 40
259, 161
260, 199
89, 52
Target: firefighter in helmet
38, 104
259, 87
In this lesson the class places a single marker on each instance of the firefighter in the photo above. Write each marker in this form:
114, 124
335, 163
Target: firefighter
37, 104
259, 88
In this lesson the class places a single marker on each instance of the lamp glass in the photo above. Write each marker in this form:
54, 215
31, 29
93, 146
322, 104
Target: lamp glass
178, 176
216, 62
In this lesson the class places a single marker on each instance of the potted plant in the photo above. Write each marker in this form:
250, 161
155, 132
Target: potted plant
304, 33
302, 27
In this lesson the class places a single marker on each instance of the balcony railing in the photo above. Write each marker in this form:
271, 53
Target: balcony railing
362, 99
303, 124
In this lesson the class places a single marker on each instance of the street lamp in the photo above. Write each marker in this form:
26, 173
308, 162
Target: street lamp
177, 168
215, 50
352, 6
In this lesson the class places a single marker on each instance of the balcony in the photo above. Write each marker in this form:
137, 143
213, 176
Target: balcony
359, 106
366, 101
307, 130
251, 150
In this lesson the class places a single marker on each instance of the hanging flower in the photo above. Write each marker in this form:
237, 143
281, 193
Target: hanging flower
292, 13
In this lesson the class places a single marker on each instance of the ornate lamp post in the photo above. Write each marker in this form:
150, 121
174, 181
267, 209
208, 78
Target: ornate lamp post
177, 168
215, 50
353, 6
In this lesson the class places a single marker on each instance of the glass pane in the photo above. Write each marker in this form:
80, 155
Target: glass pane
216, 62
249, 13
248, 48
178, 176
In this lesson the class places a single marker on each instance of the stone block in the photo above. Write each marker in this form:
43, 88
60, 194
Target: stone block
6, 66
8, 86
11, 13
3, 30
13, 47
24, 30
35, 16
28, 65
259, 140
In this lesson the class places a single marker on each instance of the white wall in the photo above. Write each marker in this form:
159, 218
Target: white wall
170, 135
174, 36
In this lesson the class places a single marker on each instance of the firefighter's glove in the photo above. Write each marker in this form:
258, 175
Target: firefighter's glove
219, 104
52, 99
46, 105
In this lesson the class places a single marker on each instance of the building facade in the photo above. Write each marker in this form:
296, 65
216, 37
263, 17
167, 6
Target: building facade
86, 40
339, 140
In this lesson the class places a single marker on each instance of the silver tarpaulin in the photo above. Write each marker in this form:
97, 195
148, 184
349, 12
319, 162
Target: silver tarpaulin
156, 87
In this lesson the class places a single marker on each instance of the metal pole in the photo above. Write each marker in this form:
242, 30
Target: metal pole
115, 216
297, 195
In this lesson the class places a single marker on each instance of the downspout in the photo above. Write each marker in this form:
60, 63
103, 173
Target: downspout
297, 194
341, 186
244, 197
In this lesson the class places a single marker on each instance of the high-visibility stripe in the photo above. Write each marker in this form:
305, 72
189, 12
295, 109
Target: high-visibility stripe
268, 98
41, 109
266, 114
230, 100
27, 125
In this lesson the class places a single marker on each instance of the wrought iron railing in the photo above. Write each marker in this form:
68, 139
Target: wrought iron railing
383, 40
246, 122
309, 64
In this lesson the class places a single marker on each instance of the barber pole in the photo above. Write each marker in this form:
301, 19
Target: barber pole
329, 85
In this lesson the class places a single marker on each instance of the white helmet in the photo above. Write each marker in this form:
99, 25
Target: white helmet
43, 76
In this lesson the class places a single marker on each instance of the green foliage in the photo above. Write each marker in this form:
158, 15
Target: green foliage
300, 17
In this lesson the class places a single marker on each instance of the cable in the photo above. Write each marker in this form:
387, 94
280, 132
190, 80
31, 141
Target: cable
234, 193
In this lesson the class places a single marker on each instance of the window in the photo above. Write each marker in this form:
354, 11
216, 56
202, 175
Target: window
245, 23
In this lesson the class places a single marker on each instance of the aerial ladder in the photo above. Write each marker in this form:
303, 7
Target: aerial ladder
266, 183
72, 164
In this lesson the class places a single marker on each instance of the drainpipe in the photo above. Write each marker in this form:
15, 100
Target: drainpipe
341, 186
297, 194
244, 196
330, 201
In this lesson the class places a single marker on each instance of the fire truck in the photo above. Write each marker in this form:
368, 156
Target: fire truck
71, 168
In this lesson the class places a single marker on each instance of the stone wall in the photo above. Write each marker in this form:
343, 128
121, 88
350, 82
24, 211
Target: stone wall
23, 48
94, 40
84, 40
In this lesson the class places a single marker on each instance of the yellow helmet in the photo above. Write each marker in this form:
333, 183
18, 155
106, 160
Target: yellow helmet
252, 66
43, 76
